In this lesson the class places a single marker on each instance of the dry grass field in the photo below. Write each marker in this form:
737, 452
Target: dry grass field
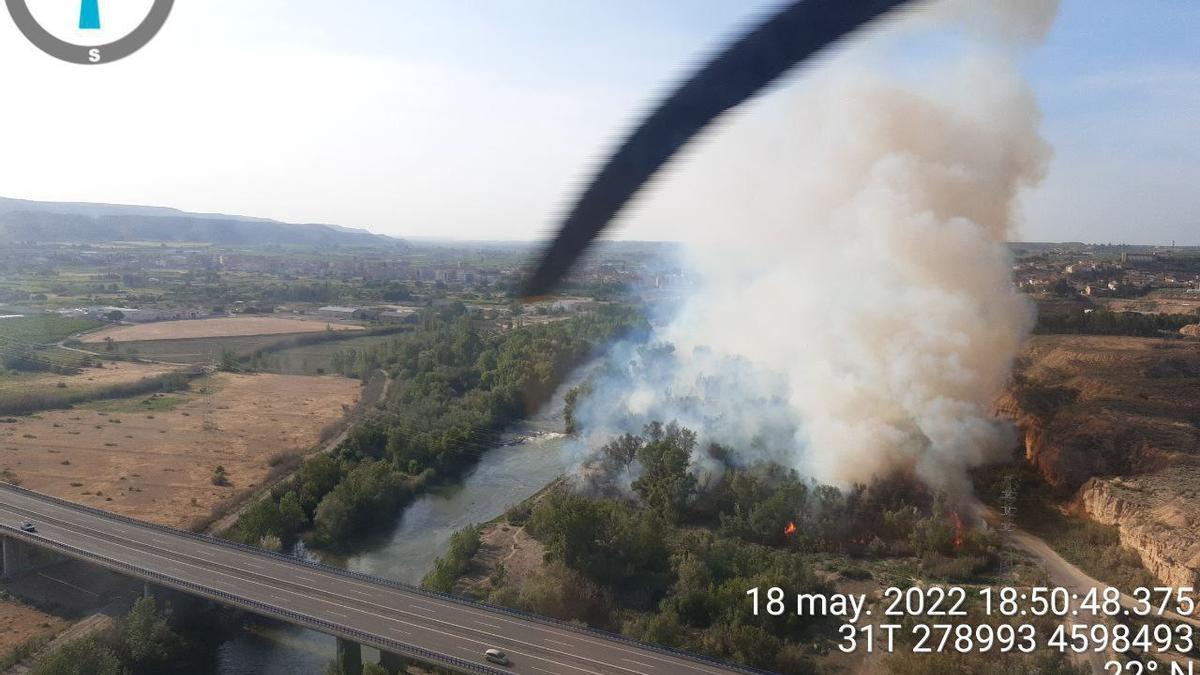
214, 328
20, 623
118, 372
154, 457
1155, 304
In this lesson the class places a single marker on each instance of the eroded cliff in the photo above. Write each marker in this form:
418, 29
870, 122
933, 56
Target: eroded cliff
1116, 420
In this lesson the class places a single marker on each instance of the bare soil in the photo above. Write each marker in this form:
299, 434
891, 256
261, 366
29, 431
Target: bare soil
213, 328
507, 545
1099, 405
154, 458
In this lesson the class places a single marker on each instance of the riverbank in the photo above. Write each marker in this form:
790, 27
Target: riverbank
505, 475
457, 393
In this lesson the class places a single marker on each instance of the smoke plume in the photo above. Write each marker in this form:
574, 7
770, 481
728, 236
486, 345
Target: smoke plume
861, 318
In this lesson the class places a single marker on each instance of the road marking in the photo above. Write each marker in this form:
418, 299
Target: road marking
338, 614
489, 625
560, 643
400, 631
256, 566
644, 665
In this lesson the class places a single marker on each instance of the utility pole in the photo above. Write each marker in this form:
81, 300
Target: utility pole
89, 15
1008, 512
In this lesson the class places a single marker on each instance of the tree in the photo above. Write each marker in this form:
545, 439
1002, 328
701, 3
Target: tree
81, 657
229, 361
220, 478
149, 642
316, 478
115, 316
607, 540
292, 518
666, 484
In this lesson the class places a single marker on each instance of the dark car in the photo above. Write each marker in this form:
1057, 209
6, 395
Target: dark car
28, 527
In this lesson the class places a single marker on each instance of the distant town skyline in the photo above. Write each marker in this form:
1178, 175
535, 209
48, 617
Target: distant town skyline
447, 119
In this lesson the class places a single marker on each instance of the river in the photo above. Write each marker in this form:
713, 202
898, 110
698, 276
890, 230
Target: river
504, 476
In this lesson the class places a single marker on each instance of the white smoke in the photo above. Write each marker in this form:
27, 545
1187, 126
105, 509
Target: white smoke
854, 313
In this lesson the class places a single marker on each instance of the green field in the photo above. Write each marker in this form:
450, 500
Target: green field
200, 351
317, 359
42, 329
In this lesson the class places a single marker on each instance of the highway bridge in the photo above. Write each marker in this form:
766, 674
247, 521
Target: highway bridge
402, 621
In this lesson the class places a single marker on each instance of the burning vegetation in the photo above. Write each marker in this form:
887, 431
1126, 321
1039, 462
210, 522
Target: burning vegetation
647, 543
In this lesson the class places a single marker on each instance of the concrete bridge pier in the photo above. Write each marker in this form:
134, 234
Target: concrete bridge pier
18, 558
393, 663
349, 657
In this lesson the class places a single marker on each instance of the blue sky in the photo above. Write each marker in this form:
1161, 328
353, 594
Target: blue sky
478, 119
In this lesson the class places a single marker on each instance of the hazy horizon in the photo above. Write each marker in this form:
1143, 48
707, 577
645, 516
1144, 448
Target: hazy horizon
435, 119
467, 240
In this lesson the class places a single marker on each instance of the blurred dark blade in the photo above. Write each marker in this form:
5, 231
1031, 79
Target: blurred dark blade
795, 33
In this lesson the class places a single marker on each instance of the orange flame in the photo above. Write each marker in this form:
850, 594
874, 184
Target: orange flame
790, 529
958, 529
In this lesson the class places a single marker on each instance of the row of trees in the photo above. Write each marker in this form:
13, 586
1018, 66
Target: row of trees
26, 402
454, 389
1105, 322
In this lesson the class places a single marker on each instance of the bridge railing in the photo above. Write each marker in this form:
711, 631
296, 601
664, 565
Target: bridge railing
258, 607
399, 585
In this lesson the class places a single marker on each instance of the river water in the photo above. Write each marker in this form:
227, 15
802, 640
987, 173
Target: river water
505, 475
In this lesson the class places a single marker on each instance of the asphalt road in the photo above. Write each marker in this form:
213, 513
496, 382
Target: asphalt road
373, 613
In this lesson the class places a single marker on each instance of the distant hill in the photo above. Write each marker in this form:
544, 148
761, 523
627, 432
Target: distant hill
24, 220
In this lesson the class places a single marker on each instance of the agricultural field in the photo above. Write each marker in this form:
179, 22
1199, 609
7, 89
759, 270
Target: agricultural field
1155, 303
214, 328
41, 329
156, 457
196, 352
318, 358
86, 380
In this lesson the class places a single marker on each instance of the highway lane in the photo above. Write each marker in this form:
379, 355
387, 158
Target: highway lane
445, 626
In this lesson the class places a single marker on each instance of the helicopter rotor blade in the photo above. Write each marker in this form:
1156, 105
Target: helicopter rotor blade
793, 34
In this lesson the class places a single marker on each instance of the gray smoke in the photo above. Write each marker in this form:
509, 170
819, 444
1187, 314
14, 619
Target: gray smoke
862, 318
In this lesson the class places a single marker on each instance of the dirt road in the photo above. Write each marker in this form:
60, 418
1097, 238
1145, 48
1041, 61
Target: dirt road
1063, 573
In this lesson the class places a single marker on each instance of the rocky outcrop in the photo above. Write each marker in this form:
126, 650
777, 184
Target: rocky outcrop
1155, 515
1191, 330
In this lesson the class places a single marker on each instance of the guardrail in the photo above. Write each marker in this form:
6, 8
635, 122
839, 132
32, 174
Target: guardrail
398, 585
377, 641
